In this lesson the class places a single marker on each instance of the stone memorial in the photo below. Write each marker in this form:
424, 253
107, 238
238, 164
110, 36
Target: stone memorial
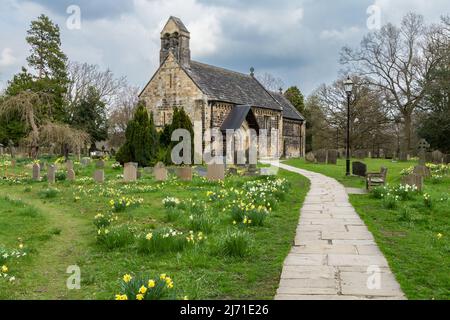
130, 172
332, 156
310, 157
70, 175
185, 173
423, 146
359, 169
85, 162
413, 180
160, 172
99, 176
437, 157
36, 172
216, 172
321, 156
51, 174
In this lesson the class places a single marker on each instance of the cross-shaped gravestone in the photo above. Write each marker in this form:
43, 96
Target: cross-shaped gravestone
423, 146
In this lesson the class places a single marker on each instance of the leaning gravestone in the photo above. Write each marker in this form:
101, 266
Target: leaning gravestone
437, 157
332, 156
185, 173
160, 172
70, 175
216, 172
36, 172
310, 157
321, 156
51, 174
413, 180
99, 176
359, 169
130, 172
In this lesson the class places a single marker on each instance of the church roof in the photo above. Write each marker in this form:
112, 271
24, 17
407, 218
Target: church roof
289, 111
230, 86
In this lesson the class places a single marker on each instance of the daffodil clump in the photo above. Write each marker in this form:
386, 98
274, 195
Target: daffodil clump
397, 193
102, 221
236, 243
115, 236
146, 288
170, 202
116, 166
249, 214
120, 205
8, 255
161, 241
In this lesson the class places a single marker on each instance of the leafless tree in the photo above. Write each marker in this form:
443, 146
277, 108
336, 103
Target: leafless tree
398, 62
83, 75
270, 82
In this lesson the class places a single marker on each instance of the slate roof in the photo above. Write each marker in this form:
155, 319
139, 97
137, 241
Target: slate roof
237, 117
289, 111
230, 86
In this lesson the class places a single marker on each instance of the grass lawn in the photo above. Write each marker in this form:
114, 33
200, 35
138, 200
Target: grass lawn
55, 224
414, 237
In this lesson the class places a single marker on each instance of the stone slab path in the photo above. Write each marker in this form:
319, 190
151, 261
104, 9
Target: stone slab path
334, 255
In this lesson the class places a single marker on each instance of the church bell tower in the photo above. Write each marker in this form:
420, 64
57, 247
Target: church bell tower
175, 38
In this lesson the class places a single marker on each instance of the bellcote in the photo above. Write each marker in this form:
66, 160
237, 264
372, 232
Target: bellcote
175, 38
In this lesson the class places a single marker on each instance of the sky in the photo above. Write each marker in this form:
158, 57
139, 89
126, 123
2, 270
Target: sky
296, 40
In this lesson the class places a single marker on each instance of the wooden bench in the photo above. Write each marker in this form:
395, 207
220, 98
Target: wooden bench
376, 179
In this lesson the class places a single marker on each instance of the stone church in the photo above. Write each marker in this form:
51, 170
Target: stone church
216, 97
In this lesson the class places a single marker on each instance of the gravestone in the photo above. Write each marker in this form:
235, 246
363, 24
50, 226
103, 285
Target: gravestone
85, 162
423, 146
99, 176
69, 165
437, 157
310, 157
215, 172
130, 172
70, 175
100, 164
36, 172
413, 180
185, 173
359, 169
321, 156
51, 174
160, 172
332, 156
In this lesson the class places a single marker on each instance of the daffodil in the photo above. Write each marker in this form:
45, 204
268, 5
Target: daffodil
140, 297
151, 283
143, 290
127, 278
439, 236
149, 236
4, 269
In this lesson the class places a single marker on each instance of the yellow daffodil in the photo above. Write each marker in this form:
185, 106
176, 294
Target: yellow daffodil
4, 269
151, 284
127, 278
149, 236
163, 276
185, 298
439, 236
143, 290
140, 297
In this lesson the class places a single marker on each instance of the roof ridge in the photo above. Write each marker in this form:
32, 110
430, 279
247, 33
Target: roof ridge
221, 68
289, 103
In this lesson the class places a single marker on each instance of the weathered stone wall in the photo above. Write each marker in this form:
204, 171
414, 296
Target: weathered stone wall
270, 119
292, 137
219, 112
171, 87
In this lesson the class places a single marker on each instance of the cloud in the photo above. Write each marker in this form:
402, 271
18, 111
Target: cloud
7, 58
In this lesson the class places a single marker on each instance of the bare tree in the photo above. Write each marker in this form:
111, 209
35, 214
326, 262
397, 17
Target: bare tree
270, 82
397, 61
82, 76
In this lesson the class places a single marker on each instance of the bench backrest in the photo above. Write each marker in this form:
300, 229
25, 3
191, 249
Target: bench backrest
384, 172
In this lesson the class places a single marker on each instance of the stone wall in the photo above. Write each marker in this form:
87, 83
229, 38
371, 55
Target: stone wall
171, 87
292, 138
271, 119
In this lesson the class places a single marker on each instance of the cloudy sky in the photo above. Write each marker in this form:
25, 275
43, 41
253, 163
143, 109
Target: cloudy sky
296, 40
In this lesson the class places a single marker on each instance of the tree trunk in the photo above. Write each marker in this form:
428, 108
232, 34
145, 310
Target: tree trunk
407, 131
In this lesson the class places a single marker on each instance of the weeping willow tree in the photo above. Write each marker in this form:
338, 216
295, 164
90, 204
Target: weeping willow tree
31, 107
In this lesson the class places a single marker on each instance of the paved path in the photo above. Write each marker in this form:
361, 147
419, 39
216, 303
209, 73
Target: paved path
334, 255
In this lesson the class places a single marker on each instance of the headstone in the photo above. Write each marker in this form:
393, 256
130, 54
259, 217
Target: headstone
51, 174
185, 173
332, 156
69, 165
36, 172
99, 176
413, 180
423, 146
437, 157
130, 172
359, 169
310, 157
85, 162
70, 175
100, 164
422, 171
160, 172
321, 156
216, 172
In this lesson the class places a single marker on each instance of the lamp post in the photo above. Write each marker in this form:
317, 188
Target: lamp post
348, 86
